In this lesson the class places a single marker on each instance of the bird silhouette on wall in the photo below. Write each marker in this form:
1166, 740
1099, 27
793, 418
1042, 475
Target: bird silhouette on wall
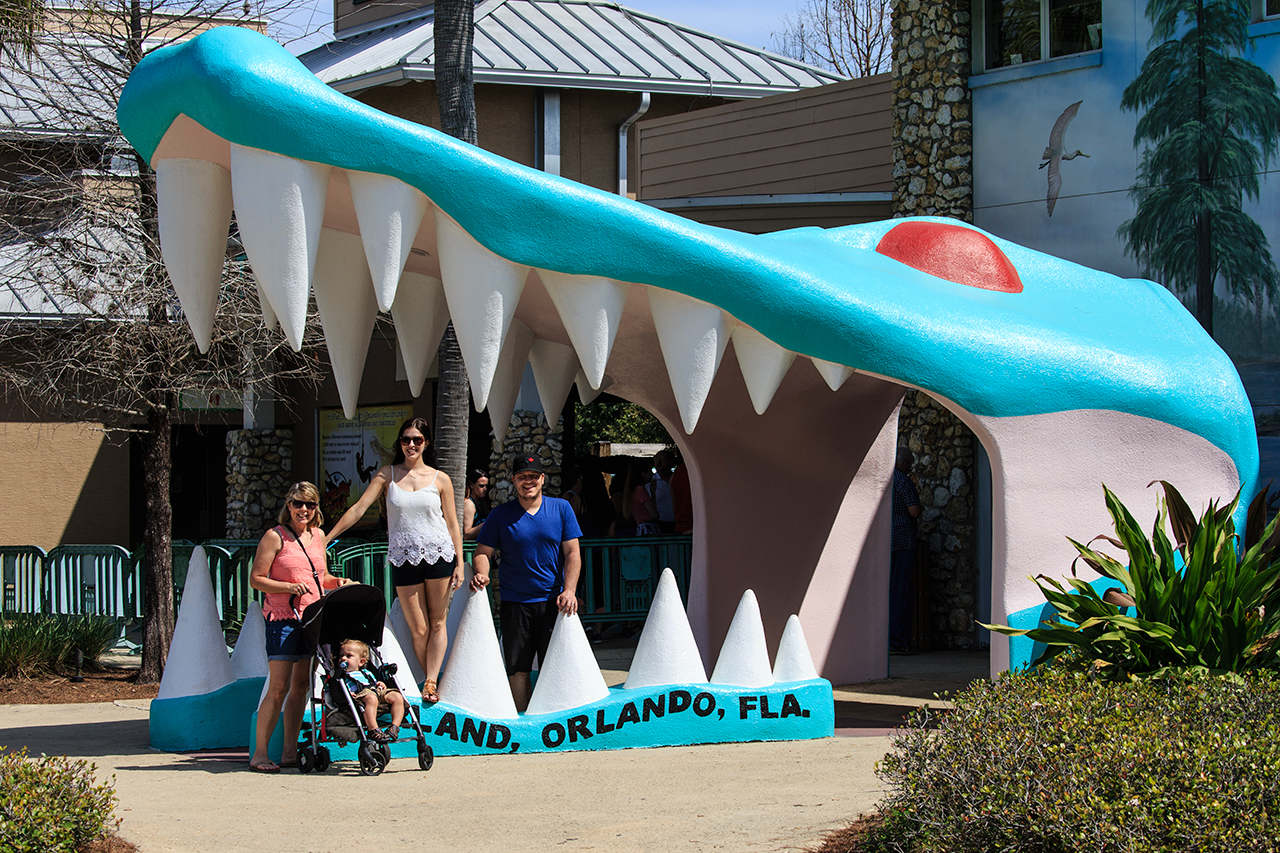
1054, 154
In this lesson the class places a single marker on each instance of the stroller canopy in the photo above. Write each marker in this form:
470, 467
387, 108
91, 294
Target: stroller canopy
351, 612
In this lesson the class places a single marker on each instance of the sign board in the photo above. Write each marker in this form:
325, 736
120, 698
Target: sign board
351, 452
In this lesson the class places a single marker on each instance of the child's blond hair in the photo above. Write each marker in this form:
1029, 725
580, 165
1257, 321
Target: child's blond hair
362, 646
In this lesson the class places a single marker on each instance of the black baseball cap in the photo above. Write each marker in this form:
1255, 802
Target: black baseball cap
525, 462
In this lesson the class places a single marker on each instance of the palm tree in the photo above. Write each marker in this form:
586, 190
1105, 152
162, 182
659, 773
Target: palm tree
453, 31
1211, 125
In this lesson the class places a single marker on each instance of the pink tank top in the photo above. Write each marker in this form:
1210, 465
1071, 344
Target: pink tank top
291, 566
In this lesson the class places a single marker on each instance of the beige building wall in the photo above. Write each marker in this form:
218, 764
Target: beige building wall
65, 484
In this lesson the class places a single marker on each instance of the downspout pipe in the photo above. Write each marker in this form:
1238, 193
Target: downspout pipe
622, 141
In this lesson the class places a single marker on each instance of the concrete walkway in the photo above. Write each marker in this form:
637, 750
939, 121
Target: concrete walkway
740, 797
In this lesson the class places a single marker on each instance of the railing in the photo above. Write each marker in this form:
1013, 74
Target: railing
21, 571
619, 576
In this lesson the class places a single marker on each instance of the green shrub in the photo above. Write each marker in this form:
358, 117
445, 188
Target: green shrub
1054, 761
51, 804
32, 644
1203, 604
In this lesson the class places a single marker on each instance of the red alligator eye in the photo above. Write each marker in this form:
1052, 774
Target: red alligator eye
952, 252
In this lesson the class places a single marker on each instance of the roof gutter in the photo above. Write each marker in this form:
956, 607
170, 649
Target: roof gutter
622, 141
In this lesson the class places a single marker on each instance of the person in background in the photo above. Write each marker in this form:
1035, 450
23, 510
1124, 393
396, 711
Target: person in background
682, 499
595, 510
664, 462
905, 510
290, 568
643, 509
475, 506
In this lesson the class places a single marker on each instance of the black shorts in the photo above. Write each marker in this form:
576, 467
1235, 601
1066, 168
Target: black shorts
526, 630
412, 574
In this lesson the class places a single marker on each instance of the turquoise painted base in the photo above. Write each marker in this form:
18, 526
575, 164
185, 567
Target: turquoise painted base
674, 715
1022, 650
209, 721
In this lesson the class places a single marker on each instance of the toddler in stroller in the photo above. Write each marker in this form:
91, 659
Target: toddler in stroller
345, 629
369, 691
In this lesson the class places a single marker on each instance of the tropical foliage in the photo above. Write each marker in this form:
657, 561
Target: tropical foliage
1209, 600
1211, 125
35, 644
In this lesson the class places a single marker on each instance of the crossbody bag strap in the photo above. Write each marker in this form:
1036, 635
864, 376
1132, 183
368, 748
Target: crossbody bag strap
314, 573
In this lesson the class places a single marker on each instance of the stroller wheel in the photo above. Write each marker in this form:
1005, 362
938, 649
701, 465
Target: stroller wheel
322, 759
385, 749
306, 761
426, 756
372, 762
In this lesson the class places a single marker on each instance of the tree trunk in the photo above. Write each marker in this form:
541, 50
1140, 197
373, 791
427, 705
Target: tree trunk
453, 32
158, 618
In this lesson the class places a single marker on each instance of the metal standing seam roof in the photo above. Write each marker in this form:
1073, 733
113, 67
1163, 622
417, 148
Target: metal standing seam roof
568, 44
60, 92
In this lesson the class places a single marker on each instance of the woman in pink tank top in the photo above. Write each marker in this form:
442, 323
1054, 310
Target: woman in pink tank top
290, 568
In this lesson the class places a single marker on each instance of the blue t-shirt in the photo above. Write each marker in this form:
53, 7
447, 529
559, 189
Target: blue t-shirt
530, 547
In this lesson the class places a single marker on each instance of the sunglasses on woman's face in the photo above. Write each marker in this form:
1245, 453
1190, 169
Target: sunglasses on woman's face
414, 440
311, 505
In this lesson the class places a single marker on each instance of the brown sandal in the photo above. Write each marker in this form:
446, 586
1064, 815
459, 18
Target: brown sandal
429, 694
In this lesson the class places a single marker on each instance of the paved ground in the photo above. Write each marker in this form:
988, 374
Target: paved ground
739, 797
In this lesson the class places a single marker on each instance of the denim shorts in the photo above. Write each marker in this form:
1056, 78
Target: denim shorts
284, 640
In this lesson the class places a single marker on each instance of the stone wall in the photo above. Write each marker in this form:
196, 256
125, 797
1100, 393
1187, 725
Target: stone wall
932, 111
933, 176
944, 473
259, 469
529, 433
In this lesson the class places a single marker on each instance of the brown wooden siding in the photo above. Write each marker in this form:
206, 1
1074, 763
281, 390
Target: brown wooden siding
765, 218
835, 138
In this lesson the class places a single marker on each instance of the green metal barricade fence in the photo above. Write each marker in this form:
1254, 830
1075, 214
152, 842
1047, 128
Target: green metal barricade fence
22, 574
96, 580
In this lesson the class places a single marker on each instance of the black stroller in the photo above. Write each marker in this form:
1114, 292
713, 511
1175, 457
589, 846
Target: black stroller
351, 612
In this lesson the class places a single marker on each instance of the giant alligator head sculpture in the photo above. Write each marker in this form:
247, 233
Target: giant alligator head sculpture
1068, 376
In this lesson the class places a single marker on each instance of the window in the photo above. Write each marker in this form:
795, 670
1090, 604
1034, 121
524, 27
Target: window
1021, 31
1273, 8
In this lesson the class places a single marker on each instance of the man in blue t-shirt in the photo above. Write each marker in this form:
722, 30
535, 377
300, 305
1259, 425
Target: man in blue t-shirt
538, 537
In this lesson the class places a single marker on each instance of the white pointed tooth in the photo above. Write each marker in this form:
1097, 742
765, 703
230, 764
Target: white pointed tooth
764, 365
507, 378
476, 679
585, 392
744, 658
280, 207
591, 309
483, 290
393, 652
389, 212
194, 200
794, 662
348, 311
269, 318
555, 366
666, 652
421, 314
835, 374
198, 650
456, 608
249, 660
570, 676
404, 636
693, 335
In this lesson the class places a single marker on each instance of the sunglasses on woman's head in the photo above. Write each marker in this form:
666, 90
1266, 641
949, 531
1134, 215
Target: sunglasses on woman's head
414, 440
303, 504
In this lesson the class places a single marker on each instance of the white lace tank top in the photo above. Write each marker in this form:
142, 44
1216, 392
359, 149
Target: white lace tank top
417, 532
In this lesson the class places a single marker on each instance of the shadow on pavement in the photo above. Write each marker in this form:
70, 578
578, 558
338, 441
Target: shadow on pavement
82, 740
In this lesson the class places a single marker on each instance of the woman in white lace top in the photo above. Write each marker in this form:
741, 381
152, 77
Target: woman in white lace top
424, 542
